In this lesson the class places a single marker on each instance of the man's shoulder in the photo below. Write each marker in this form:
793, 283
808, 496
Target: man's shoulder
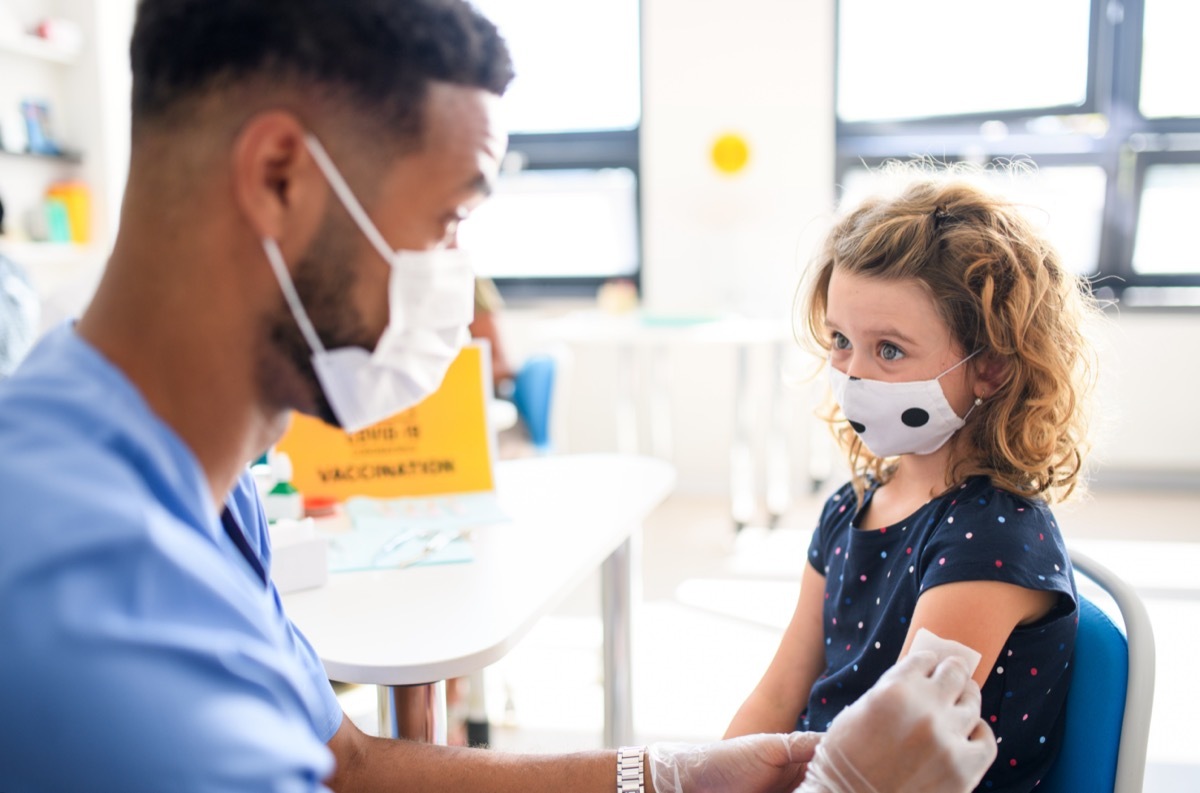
59, 444
61, 397
74, 431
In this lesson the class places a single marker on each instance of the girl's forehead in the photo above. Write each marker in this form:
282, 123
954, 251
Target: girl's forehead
873, 306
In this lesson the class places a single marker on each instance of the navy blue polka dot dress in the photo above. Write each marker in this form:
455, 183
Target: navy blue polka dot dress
975, 533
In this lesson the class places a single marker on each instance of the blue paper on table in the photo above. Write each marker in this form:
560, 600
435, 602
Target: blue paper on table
404, 532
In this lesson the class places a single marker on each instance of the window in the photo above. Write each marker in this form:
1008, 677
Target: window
557, 224
929, 58
1098, 96
1170, 203
565, 215
1170, 59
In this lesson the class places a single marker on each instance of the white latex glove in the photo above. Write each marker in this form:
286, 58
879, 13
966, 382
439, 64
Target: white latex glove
917, 730
749, 764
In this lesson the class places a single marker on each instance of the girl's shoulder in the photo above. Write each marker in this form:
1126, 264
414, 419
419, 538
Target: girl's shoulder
978, 496
993, 517
984, 532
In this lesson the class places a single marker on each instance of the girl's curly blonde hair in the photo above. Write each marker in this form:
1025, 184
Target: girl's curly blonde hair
1002, 290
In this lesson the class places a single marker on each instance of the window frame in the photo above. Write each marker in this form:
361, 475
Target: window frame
1126, 146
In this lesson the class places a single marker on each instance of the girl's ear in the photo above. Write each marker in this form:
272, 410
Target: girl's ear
991, 373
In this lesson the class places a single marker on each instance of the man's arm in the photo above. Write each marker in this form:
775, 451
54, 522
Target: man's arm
916, 731
754, 764
366, 764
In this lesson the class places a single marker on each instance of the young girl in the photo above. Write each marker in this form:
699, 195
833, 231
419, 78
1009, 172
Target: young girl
959, 368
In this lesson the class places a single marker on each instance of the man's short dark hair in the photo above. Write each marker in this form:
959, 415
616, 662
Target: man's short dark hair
375, 55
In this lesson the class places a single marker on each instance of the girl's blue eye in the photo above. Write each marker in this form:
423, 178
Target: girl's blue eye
890, 352
840, 342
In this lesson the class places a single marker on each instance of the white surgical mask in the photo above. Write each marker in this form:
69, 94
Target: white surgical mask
898, 418
431, 301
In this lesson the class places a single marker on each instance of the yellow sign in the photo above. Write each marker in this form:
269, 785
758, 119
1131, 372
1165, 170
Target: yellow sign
440, 446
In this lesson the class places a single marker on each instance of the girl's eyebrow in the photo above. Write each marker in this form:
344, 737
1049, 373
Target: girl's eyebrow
893, 333
884, 331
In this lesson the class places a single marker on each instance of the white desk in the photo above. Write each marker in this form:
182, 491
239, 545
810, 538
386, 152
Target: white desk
632, 334
416, 627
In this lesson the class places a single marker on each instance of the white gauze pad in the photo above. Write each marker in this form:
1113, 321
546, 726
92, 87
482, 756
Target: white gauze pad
927, 641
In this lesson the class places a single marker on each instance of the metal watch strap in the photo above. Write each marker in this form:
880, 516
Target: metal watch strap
631, 769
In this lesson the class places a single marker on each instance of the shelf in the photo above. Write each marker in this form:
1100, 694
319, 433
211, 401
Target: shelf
67, 158
35, 254
38, 48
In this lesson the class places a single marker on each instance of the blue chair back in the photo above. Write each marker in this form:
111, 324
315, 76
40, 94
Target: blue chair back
1112, 686
1095, 706
533, 389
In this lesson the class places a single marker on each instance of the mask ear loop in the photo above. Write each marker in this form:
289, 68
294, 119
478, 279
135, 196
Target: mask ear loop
338, 183
275, 257
960, 363
355, 209
978, 400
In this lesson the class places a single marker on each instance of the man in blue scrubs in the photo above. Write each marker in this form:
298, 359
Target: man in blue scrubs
297, 175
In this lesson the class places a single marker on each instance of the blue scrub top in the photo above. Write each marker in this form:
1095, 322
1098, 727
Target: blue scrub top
138, 648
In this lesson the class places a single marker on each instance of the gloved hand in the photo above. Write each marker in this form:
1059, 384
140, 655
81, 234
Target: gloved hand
918, 730
749, 764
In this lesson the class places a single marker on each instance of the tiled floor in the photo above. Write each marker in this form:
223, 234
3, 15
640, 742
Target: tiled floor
715, 604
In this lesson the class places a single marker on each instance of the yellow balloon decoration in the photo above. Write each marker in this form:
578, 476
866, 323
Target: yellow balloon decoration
730, 153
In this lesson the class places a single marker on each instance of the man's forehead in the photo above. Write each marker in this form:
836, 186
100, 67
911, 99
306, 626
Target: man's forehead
464, 113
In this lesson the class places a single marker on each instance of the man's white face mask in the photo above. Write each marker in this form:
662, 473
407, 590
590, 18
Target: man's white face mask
431, 301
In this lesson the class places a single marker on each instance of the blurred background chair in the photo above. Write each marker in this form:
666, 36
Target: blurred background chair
533, 394
1112, 692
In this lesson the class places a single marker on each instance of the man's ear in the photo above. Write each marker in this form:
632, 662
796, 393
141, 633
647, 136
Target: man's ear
277, 185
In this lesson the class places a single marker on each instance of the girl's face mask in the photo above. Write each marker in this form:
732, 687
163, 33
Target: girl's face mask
431, 301
898, 418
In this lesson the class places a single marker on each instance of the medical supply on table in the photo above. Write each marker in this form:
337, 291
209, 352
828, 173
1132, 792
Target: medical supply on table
281, 500
299, 553
403, 532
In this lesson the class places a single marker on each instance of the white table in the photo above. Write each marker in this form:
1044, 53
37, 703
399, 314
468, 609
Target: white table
409, 630
631, 334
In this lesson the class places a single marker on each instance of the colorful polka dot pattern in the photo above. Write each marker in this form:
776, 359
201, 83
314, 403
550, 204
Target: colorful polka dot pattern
974, 533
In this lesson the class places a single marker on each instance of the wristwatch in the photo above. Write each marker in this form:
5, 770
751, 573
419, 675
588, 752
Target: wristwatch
631, 774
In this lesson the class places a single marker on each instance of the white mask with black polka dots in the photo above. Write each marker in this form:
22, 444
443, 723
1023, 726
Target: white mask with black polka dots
898, 418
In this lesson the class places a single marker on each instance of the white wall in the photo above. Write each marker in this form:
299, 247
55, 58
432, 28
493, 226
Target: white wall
762, 69
1149, 424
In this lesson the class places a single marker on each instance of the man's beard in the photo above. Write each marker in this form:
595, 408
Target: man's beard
324, 278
